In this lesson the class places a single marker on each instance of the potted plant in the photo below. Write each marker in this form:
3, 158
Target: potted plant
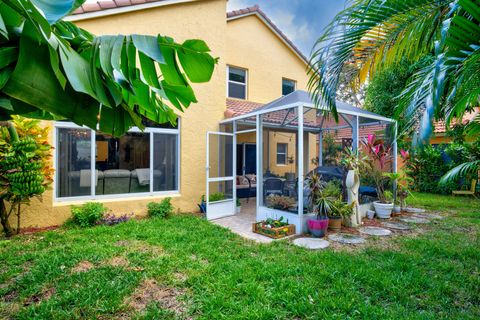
318, 204
338, 213
379, 156
203, 205
239, 206
278, 202
274, 228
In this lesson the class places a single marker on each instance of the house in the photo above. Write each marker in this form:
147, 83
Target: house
258, 64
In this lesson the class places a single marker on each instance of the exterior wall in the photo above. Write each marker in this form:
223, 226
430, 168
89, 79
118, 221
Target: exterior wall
180, 21
253, 46
245, 42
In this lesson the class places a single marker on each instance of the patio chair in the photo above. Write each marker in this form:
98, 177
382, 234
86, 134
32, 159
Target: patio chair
272, 186
470, 192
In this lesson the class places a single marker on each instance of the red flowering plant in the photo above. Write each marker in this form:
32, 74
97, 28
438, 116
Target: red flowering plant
379, 157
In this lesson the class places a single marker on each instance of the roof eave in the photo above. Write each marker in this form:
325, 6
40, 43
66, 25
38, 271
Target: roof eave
125, 9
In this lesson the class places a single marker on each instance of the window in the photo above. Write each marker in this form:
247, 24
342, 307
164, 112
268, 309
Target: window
288, 86
137, 162
237, 83
282, 153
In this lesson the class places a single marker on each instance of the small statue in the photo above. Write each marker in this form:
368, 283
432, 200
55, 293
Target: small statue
353, 184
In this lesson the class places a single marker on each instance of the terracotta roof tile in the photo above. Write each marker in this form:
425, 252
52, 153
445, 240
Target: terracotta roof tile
238, 107
109, 4
440, 126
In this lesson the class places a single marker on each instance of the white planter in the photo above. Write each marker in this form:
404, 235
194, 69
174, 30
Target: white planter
239, 208
370, 214
383, 210
397, 209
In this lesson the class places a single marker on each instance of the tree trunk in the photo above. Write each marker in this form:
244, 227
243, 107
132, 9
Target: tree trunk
7, 228
18, 219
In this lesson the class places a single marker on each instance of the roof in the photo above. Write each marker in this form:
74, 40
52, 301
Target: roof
237, 107
106, 7
440, 126
255, 10
300, 97
110, 4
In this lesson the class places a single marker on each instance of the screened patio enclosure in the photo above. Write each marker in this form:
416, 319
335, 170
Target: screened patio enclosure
293, 138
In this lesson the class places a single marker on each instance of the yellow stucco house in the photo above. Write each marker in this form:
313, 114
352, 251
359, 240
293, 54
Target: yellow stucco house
257, 65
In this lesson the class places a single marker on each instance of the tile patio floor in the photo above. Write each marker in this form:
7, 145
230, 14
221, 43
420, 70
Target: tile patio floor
241, 223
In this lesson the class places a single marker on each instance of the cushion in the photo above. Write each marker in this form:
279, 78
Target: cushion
242, 181
252, 177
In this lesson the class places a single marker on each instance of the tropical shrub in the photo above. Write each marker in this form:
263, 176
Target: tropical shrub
216, 196
25, 167
88, 214
426, 166
161, 209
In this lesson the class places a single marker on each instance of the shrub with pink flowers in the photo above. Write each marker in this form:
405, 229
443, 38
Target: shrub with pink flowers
378, 161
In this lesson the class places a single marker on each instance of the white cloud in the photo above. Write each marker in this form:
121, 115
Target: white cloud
237, 4
297, 32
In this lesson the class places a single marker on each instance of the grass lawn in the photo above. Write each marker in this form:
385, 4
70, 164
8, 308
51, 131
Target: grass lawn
191, 268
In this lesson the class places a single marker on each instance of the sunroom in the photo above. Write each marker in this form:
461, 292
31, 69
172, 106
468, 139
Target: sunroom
293, 138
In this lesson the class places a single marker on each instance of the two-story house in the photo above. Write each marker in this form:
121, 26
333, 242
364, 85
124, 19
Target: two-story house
257, 64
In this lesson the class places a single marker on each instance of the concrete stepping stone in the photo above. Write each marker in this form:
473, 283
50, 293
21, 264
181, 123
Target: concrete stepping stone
396, 226
429, 216
311, 243
375, 231
414, 210
413, 219
346, 238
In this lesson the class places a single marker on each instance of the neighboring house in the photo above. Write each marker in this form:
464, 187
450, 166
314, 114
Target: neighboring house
257, 65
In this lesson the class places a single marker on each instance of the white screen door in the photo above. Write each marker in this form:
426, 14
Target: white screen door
220, 196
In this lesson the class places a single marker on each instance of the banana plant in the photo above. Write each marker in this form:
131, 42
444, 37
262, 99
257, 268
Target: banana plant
52, 69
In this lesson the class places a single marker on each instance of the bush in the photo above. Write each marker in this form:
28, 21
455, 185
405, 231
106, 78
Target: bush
217, 196
87, 215
160, 209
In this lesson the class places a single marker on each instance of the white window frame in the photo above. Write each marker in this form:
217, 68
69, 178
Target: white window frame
294, 84
151, 131
245, 85
286, 153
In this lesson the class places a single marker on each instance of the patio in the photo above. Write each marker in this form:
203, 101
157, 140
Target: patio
294, 121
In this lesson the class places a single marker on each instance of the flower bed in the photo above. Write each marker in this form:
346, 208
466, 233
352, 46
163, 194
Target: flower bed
275, 229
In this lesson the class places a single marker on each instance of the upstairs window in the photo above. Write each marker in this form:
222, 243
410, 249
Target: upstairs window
282, 153
237, 83
288, 86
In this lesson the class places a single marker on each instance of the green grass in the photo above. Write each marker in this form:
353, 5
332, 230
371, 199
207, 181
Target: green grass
434, 275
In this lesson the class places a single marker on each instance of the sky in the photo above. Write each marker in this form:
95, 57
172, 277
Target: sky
301, 20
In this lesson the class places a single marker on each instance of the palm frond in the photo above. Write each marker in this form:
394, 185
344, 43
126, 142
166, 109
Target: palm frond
460, 171
372, 34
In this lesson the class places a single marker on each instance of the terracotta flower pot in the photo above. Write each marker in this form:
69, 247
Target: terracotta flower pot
334, 223
318, 227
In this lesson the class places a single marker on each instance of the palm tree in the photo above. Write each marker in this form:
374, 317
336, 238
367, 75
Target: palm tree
375, 34
51, 69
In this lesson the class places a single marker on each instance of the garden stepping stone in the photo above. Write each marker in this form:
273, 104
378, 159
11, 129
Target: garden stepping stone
413, 219
429, 216
375, 231
346, 238
396, 225
414, 210
311, 243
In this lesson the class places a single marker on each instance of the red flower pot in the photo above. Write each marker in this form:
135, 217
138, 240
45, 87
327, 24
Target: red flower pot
318, 227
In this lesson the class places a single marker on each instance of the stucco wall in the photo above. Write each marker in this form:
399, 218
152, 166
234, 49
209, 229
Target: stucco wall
253, 46
201, 20
245, 42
